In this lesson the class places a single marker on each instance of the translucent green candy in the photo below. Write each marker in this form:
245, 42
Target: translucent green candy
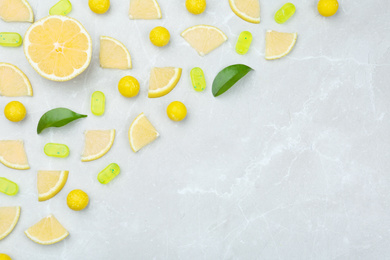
10, 39
244, 42
284, 13
8, 187
98, 102
63, 7
56, 150
198, 80
109, 173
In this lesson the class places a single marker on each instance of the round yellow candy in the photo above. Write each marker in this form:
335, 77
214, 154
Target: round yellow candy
176, 111
159, 36
196, 6
15, 111
5, 257
99, 6
327, 7
77, 200
128, 86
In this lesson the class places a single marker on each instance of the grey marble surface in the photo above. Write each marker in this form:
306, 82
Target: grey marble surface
292, 163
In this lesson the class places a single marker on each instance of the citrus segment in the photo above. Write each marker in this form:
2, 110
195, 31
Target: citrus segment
163, 80
16, 11
13, 82
248, 10
49, 183
97, 144
47, 231
278, 44
9, 217
13, 155
141, 133
113, 54
204, 38
58, 47
144, 9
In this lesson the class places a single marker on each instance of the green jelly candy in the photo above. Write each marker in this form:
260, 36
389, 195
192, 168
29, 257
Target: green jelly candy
10, 39
63, 7
198, 80
244, 42
8, 187
98, 102
284, 13
109, 173
56, 150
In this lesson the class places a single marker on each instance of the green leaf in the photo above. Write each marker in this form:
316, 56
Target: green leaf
57, 117
227, 77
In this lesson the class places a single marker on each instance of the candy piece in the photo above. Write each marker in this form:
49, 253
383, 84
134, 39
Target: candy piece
10, 39
63, 7
244, 42
8, 187
109, 173
56, 150
284, 13
98, 102
197, 79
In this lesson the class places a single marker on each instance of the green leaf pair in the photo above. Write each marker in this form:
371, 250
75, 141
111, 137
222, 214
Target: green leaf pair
57, 117
227, 77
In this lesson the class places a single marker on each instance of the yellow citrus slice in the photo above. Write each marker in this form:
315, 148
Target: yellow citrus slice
141, 133
97, 144
144, 9
163, 80
9, 217
16, 11
50, 183
58, 47
204, 38
13, 155
248, 10
278, 44
47, 231
13, 82
113, 54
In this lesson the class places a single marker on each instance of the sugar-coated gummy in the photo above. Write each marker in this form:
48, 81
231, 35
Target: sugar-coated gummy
197, 78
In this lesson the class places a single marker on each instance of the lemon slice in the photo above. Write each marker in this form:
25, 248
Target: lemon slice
113, 54
16, 11
248, 10
141, 133
47, 231
163, 80
13, 155
97, 144
9, 217
50, 183
204, 38
58, 47
278, 44
144, 9
13, 82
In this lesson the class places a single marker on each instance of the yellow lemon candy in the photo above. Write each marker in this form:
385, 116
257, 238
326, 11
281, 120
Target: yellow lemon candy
176, 111
5, 257
159, 36
327, 7
15, 111
77, 200
196, 6
99, 6
128, 86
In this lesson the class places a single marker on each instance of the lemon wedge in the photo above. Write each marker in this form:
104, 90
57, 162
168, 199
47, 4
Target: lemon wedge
248, 10
97, 144
13, 82
144, 9
47, 231
278, 44
16, 11
113, 54
163, 80
9, 217
204, 38
141, 133
50, 183
13, 155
